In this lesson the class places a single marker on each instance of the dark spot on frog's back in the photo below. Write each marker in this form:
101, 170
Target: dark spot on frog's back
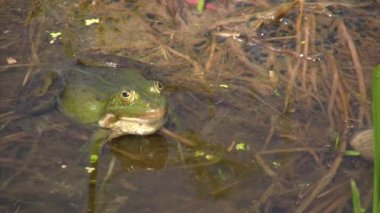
40, 93
98, 98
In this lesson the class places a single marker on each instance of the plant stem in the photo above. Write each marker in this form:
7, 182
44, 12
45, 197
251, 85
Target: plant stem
376, 126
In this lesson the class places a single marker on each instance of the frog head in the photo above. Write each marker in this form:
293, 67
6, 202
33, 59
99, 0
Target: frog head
137, 109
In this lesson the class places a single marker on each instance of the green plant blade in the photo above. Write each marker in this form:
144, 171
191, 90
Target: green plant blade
376, 126
201, 5
355, 197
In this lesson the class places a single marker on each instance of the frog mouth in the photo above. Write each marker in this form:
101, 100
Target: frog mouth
150, 116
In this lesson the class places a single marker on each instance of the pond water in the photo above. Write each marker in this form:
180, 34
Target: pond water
262, 88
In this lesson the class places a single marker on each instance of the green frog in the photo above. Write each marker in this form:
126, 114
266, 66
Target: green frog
118, 101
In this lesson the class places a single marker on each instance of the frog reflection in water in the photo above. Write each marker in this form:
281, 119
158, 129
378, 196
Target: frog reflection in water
119, 101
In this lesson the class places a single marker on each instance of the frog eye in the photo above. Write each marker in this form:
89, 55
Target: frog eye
157, 87
128, 97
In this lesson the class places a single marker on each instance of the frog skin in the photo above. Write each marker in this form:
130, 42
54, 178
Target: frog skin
119, 100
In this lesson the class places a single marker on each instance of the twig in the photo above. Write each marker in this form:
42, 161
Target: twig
177, 137
215, 192
271, 132
268, 171
283, 151
305, 50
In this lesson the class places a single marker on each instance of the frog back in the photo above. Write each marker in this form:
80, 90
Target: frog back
83, 103
88, 90
86, 94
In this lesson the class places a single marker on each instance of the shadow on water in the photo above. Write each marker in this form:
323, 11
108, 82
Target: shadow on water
262, 88
133, 153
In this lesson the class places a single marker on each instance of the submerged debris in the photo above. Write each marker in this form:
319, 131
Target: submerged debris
362, 141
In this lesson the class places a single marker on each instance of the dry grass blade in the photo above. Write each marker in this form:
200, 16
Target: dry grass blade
333, 199
337, 94
198, 70
326, 179
264, 198
271, 14
24, 167
35, 43
363, 113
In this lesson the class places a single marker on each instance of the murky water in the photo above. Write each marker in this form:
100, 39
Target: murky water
266, 132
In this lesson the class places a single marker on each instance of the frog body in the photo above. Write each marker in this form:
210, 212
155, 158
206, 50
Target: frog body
119, 100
